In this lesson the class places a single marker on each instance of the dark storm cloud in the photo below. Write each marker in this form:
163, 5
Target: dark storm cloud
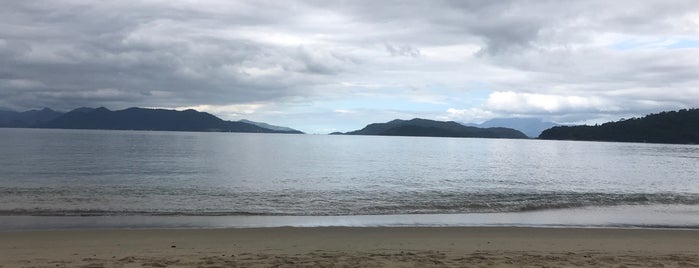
536, 57
128, 53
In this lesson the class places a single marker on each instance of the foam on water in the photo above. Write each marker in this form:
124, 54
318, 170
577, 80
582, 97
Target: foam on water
79, 201
672, 216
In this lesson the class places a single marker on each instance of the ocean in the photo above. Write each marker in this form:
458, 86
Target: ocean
56, 179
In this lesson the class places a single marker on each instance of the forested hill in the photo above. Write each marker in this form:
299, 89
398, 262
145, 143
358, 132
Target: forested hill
151, 119
28, 118
431, 128
666, 127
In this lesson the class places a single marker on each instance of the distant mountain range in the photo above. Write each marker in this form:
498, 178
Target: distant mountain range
532, 127
134, 119
431, 128
666, 127
268, 126
28, 118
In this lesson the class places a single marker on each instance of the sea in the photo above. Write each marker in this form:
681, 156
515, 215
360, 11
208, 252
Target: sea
64, 179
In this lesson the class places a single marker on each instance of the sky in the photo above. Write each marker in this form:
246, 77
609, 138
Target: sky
324, 66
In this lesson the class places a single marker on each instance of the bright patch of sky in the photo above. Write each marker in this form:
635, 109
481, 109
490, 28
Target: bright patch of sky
663, 43
685, 43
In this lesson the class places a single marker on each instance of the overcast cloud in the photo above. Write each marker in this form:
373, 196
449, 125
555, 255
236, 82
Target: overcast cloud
323, 66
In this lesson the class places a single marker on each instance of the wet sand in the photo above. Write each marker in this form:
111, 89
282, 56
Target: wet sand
352, 247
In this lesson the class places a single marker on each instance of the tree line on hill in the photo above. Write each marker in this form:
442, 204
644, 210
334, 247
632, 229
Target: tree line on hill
666, 127
134, 119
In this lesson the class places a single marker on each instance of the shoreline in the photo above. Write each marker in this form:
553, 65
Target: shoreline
351, 247
618, 217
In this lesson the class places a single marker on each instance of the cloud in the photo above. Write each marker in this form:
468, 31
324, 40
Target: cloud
528, 103
402, 50
557, 108
345, 111
575, 60
468, 115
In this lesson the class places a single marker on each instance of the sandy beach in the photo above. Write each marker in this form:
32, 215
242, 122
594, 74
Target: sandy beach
352, 247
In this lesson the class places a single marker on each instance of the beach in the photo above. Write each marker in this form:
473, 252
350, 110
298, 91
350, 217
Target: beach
352, 247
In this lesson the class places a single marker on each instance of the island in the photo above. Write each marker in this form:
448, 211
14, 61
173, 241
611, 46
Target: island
532, 127
432, 128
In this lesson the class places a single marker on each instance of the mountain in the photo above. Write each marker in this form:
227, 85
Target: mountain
431, 128
268, 126
532, 127
27, 119
666, 127
150, 119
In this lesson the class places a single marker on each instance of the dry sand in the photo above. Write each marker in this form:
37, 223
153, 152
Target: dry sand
352, 247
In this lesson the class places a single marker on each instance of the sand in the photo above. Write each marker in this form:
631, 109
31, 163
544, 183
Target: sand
352, 247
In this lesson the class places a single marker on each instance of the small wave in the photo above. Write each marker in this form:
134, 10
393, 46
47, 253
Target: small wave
328, 203
93, 212
519, 202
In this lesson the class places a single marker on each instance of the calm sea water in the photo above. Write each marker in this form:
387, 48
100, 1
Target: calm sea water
394, 180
